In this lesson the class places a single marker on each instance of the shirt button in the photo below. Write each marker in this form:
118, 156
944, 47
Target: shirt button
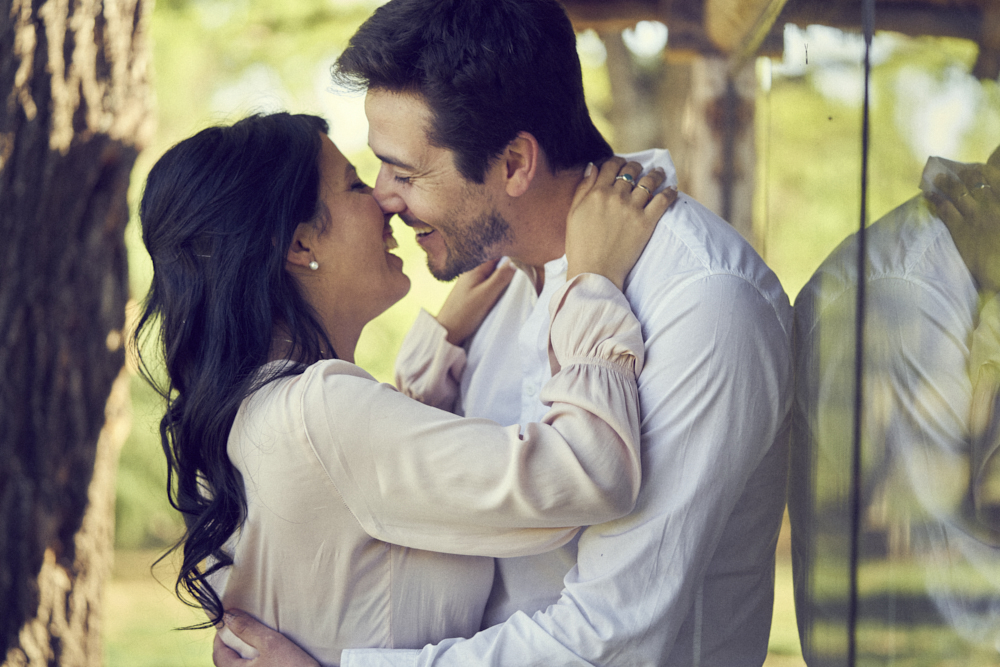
530, 390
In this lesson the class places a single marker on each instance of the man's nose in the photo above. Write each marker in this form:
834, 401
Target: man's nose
385, 193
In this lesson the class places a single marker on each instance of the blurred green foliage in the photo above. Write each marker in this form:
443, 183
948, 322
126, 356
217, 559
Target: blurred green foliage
809, 143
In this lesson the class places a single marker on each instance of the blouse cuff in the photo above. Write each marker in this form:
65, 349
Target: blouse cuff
592, 323
428, 367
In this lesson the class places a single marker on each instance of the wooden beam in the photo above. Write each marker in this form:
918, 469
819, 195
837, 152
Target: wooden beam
602, 15
962, 20
739, 27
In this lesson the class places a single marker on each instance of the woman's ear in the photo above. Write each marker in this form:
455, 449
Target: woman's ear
521, 159
300, 252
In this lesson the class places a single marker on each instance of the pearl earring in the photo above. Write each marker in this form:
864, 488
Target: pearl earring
314, 265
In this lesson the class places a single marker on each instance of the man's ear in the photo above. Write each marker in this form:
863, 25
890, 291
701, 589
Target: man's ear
521, 160
300, 252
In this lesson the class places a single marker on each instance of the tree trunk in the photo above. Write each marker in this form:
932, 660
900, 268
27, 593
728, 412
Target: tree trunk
74, 113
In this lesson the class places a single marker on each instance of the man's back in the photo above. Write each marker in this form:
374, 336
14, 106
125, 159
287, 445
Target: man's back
689, 574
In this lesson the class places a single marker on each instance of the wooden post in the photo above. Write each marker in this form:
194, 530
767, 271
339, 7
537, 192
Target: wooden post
701, 114
722, 156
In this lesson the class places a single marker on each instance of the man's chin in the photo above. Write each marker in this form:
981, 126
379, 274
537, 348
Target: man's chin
449, 268
444, 274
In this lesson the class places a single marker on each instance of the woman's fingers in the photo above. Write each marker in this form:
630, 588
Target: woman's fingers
660, 202
645, 187
972, 188
627, 177
612, 218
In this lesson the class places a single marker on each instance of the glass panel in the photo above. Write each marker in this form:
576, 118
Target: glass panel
928, 568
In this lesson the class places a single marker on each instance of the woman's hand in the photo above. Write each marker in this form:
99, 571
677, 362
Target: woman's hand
970, 207
612, 216
268, 647
472, 297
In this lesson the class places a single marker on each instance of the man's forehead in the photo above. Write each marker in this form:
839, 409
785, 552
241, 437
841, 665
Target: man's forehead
397, 119
398, 132
407, 111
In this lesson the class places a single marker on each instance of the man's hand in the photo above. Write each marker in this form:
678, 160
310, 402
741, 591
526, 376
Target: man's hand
268, 647
472, 297
970, 207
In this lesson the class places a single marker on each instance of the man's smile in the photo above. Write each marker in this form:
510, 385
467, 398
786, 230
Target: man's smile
422, 229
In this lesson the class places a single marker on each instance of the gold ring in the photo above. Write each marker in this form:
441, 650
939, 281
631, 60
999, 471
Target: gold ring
648, 191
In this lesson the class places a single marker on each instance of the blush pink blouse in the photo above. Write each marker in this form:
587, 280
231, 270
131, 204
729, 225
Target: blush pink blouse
372, 517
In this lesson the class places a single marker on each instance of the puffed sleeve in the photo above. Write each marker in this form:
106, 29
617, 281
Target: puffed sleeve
421, 477
428, 367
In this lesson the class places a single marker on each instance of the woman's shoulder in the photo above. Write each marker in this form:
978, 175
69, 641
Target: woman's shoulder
291, 402
282, 387
286, 374
331, 367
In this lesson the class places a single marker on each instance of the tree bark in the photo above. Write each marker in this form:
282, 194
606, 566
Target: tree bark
73, 114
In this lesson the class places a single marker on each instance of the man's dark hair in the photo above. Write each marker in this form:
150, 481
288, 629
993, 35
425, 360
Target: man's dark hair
487, 69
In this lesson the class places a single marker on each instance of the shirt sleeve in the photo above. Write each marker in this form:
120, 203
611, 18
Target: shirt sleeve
421, 477
713, 402
428, 367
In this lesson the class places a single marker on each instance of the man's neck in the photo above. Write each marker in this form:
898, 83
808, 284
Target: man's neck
541, 214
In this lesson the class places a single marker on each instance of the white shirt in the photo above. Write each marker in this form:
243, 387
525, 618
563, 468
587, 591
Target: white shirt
922, 310
688, 577
368, 513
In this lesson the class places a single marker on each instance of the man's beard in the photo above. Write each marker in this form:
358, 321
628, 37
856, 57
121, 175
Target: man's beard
470, 246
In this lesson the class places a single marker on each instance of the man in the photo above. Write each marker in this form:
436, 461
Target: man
476, 110
930, 471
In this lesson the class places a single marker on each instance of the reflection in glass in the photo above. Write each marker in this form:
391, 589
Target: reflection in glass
929, 542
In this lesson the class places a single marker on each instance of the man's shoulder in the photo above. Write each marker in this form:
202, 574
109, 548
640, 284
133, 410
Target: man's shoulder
691, 249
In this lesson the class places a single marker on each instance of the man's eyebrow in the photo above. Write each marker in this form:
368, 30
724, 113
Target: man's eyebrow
394, 162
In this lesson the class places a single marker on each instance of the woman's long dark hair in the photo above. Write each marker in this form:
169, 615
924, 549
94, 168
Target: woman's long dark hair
218, 215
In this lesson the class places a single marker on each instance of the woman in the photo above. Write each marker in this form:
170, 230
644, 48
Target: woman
313, 495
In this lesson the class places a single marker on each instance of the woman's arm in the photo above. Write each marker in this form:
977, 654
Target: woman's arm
427, 479
422, 477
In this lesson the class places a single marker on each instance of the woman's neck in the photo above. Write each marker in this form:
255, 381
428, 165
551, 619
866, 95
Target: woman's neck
283, 347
